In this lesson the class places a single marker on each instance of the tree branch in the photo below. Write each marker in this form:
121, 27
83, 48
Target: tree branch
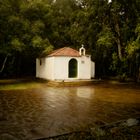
3, 65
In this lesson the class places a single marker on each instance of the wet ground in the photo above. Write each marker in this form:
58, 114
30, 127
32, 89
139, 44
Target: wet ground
49, 111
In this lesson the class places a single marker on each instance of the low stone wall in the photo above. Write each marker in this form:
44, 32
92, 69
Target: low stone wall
72, 83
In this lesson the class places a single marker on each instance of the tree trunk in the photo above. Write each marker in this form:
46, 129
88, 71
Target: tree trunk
3, 65
118, 41
119, 48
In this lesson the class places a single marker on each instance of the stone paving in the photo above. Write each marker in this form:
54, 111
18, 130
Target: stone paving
37, 113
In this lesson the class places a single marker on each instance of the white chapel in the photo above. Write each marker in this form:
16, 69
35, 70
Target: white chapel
66, 64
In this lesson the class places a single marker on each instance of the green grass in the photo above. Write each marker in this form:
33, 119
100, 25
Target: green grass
17, 84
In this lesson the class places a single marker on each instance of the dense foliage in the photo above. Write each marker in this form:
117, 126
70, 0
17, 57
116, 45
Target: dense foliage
110, 31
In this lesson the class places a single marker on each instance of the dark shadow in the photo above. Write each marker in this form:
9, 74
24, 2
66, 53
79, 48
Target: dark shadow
73, 68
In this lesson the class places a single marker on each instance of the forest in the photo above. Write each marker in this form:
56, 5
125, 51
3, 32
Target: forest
109, 30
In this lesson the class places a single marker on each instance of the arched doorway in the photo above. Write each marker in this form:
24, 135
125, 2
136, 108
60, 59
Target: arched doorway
73, 68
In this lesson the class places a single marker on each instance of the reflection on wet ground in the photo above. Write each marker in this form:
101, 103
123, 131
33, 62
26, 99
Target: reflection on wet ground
37, 113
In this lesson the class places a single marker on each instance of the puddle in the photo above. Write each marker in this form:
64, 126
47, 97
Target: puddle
51, 111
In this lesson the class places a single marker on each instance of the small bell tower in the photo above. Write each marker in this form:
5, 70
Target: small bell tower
82, 50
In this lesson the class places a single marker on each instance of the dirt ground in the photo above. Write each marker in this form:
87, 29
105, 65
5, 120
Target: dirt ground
31, 110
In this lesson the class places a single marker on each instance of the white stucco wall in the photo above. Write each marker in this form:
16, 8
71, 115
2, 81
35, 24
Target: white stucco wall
46, 69
61, 67
40, 68
84, 67
57, 68
92, 69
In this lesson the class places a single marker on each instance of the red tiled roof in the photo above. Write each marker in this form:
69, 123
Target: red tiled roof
66, 51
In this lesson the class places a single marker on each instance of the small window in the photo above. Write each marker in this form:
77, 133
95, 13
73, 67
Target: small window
82, 62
